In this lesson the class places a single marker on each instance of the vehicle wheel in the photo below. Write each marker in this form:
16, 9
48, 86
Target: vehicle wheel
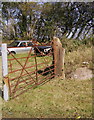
12, 52
49, 51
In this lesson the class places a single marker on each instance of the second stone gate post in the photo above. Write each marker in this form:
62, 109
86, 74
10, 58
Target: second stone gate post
58, 57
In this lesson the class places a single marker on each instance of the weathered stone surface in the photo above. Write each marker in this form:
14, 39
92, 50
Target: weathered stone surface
82, 73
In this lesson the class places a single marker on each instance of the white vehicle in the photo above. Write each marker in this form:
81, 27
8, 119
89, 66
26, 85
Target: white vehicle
20, 46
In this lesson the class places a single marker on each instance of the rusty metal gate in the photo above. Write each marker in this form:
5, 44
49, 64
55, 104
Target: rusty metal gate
28, 70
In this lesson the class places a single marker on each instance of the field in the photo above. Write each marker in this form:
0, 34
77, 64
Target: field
58, 98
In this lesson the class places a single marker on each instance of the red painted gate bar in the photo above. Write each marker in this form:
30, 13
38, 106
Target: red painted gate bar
30, 70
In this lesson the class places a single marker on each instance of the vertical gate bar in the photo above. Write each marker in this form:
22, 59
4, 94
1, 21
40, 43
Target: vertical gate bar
10, 66
36, 71
5, 72
9, 87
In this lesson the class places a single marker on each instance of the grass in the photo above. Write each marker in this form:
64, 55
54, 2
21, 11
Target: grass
58, 98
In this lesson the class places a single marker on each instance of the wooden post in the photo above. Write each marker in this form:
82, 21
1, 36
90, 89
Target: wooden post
58, 57
5, 72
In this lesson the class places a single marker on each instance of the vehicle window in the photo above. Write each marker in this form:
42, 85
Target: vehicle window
23, 44
13, 44
29, 44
